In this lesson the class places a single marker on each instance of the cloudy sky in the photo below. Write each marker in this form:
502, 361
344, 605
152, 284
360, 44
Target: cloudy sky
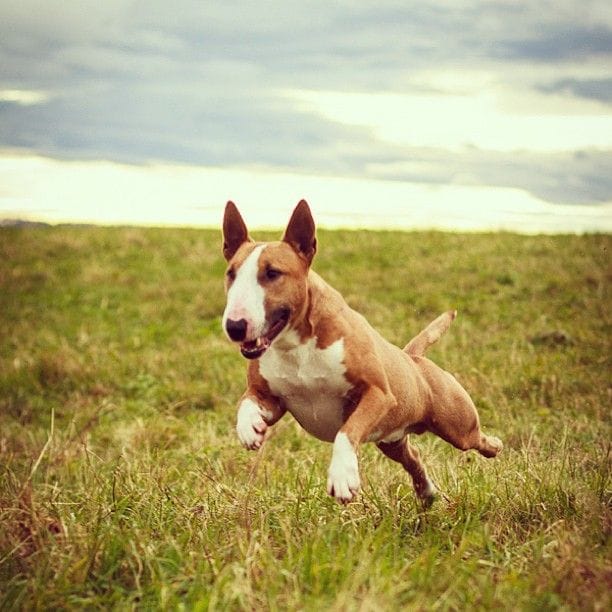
433, 113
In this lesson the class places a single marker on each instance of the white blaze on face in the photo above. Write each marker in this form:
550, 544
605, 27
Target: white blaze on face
245, 298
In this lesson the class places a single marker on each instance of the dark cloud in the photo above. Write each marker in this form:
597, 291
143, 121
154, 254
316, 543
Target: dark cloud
580, 177
123, 124
568, 43
594, 89
315, 45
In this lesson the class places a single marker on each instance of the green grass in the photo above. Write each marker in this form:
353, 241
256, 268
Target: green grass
122, 484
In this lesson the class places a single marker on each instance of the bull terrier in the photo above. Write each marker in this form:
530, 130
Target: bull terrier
313, 356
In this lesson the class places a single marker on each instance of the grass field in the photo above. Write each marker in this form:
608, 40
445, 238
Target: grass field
122, 484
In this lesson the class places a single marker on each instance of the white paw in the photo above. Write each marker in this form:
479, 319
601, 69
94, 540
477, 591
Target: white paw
250, 426
343, 476
428, 494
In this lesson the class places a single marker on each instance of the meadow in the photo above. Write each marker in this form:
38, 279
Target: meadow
123, 486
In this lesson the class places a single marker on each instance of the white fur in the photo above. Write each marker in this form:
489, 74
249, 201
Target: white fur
245, 298
343, 476
250, 424
430, 491
395, 436
374, 436
310, 380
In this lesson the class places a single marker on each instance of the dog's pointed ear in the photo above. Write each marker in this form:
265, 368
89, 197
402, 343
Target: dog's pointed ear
235, 231
300, 232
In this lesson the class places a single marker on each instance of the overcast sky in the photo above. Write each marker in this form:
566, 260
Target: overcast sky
447, 110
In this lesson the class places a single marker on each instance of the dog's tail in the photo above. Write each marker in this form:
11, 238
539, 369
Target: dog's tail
431, 334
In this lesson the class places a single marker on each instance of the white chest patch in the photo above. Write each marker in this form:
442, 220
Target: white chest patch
310, 380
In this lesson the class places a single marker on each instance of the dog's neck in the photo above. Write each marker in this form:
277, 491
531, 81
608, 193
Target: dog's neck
317, 317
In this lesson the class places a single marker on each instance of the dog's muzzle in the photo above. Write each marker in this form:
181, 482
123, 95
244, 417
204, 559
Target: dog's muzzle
252, 349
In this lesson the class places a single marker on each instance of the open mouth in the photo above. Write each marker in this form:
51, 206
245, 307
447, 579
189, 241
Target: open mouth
256, 348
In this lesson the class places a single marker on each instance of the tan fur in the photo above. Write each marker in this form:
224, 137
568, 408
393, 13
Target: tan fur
393, 392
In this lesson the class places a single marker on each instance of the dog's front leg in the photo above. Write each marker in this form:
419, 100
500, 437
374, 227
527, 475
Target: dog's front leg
255, 415
343, 477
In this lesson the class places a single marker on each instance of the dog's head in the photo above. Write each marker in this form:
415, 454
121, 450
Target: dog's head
265, 282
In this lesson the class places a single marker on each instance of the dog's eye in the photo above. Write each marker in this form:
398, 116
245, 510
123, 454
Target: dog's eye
272, 273
231, 274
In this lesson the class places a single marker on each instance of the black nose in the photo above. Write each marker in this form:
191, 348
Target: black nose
236, 330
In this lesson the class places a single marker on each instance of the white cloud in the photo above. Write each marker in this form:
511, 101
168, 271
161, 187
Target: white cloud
459, 121
24, 97
110, 193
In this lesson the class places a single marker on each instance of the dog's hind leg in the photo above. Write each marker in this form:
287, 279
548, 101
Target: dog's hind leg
487, 446
457, 422
408, 456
